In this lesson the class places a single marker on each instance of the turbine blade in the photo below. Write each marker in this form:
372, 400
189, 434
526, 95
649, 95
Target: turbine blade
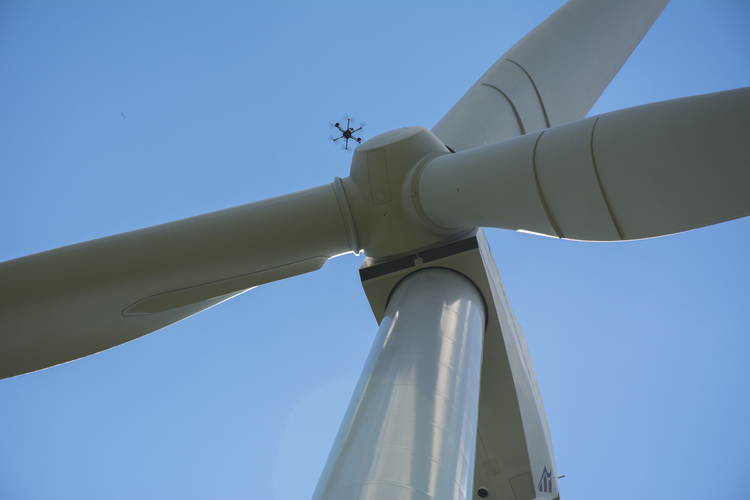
554, 75
70, 302
641, 172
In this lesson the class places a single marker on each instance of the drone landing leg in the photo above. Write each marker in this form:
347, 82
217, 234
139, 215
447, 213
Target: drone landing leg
411, 424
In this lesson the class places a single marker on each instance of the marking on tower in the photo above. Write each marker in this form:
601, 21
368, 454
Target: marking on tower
545, 482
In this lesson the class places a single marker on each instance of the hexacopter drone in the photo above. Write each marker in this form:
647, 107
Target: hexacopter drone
347, 133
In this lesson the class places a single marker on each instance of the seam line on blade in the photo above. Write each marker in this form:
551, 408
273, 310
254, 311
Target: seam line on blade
601, 188
513, 106
538, 95
180, 297
550, 219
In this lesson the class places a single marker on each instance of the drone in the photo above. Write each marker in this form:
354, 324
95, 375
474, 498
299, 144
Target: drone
347, 133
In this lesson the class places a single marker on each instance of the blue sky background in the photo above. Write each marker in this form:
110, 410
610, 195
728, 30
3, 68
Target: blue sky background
641, 348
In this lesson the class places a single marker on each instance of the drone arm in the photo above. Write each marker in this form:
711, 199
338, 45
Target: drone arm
554, 75
63, 304
647, 171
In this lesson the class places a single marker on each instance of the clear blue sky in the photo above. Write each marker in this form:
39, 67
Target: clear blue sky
641, 349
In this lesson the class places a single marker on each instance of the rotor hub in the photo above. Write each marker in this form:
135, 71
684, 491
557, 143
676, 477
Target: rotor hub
380, 192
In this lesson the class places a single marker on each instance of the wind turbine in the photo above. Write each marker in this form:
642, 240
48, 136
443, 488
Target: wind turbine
366, 335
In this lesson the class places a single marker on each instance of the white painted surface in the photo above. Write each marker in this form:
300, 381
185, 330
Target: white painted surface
410, 429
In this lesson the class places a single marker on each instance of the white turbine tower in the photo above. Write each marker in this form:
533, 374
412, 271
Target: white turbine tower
514, 153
